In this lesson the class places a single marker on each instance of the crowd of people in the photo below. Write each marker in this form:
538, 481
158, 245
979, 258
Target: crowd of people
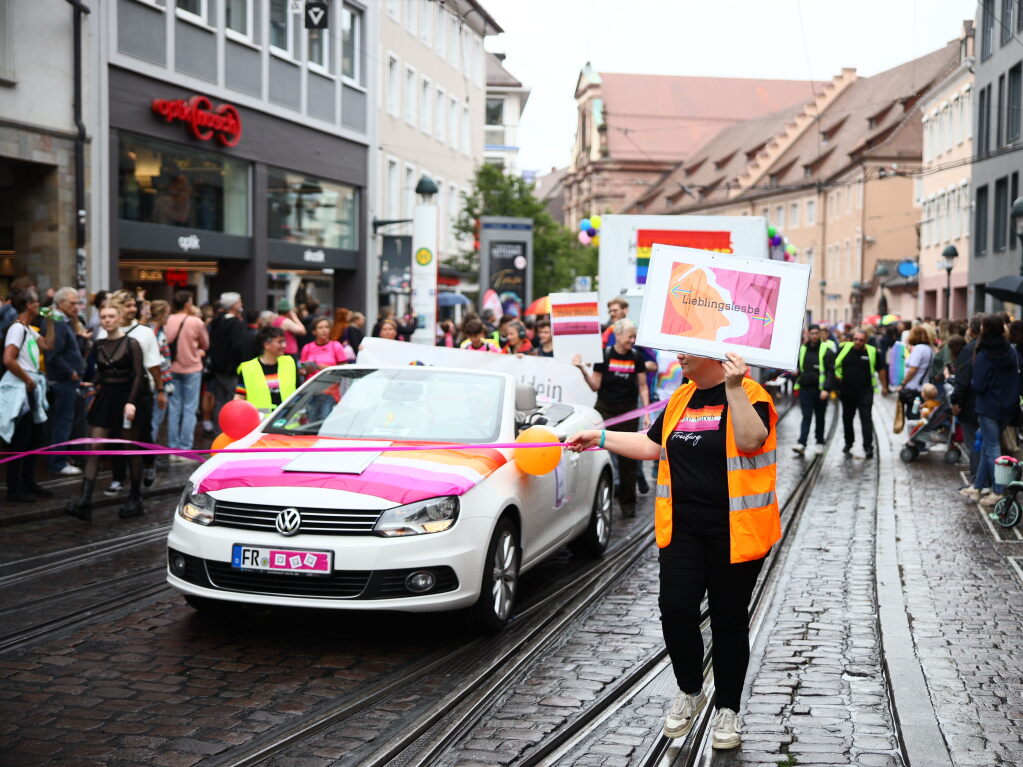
973, 367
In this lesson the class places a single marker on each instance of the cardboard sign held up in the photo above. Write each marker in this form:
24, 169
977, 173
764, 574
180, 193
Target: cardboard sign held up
575, 327
708, 304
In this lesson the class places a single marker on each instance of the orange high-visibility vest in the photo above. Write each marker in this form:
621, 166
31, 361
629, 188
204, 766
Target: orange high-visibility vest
754, 523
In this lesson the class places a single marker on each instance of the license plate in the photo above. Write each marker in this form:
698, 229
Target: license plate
266, 559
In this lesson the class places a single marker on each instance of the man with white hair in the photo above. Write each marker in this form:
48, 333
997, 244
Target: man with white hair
229, 348
65, 367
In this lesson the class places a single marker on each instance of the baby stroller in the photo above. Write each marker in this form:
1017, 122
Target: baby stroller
1008, 472
939, 428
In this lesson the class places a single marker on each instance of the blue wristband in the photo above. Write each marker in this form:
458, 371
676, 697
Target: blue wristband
602, 435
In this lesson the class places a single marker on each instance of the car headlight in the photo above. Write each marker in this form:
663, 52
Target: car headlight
432, 516
196, 507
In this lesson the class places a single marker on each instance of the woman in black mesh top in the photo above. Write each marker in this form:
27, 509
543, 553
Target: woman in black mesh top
119, 379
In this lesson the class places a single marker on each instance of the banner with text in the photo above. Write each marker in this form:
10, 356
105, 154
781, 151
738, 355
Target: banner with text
550, 378
708, 304
575, 327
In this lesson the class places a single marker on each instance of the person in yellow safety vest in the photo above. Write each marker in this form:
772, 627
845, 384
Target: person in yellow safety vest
270, 378
715, 519
814, 381
856, 374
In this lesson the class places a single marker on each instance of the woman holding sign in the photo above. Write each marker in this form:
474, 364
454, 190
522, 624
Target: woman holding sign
716, 517
620, 380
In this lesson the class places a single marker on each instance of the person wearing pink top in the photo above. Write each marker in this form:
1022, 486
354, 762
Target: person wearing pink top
292, 326
188, 340
322, 352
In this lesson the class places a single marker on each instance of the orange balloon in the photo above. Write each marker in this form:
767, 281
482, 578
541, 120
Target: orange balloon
221, 441
537, 460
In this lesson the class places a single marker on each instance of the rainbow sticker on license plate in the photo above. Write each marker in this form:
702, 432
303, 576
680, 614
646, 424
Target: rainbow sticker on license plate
283, 561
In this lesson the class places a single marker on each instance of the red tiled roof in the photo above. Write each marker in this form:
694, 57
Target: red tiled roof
664, 117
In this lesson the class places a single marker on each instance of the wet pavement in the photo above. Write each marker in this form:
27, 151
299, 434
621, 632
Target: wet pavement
832, 680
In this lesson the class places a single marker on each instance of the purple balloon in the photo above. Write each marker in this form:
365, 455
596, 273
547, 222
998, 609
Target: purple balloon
591, 232
776, 240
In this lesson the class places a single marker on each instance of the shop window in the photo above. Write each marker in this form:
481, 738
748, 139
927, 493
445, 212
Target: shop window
161, 183
312, 211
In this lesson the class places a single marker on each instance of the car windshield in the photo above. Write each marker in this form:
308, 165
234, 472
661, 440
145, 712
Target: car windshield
415, 403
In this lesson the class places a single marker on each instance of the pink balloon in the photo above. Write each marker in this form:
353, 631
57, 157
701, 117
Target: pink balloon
584, 238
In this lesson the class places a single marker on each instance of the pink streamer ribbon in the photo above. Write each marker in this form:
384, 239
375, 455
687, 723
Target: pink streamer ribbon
149, 448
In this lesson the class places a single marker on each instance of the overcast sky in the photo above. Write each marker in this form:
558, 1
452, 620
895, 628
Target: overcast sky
548, 41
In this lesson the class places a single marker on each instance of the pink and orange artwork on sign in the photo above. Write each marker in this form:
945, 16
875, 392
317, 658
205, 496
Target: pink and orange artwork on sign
713, 303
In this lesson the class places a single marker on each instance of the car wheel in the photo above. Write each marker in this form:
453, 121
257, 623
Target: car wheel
500, 578
593, 541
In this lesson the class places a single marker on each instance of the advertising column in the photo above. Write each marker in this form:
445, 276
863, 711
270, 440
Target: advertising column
424, 273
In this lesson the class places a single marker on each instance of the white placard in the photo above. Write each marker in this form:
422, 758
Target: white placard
575, 327
626, 242
708, 304
549, 377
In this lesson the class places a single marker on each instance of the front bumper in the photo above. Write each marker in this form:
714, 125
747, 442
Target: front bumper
368, 572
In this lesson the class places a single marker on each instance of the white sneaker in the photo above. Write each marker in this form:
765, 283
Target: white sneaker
990, 499
970, 492
114, 488
183, 459
797, 448
726, 729
70, 471
682, 714
819, 450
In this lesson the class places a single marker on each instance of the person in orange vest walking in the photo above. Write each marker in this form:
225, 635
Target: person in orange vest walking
716, 517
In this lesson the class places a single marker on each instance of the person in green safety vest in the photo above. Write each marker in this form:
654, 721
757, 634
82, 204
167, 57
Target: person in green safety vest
814, 382
270, 378
856, 373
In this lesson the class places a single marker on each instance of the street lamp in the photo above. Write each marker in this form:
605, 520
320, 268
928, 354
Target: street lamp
823, 285
950, 254
424, 263
1016, 213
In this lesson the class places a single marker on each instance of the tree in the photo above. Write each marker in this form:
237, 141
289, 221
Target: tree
558, 258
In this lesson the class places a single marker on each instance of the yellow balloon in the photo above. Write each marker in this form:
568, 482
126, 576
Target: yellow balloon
595, 240
537, 460
221, 441
595, 222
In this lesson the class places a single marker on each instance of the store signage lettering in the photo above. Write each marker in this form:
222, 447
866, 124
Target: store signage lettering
177, 277
203, 121
189, 242
150, 275
314, 256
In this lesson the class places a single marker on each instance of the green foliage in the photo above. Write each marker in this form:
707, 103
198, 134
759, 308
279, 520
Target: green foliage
557, 255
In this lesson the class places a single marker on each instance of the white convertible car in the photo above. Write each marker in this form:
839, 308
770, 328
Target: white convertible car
417, 530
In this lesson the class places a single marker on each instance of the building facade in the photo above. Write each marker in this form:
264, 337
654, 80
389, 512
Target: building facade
994, 182
943, 189
234, 145
506, 99
835, 174
37, 144
633, 129
431, 110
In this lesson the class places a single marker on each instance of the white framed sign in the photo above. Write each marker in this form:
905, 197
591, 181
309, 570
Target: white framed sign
575, 327
708, 304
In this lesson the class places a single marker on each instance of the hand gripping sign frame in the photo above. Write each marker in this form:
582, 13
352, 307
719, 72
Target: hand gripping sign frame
708, 304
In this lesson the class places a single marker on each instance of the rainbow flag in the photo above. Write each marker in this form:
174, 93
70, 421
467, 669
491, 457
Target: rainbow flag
719, 242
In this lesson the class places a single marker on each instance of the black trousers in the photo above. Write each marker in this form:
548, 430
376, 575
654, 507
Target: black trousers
814, 409
626, 466
861, 402
28, 435
684, 581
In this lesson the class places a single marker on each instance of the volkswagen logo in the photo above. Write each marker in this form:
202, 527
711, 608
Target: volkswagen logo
288, 522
